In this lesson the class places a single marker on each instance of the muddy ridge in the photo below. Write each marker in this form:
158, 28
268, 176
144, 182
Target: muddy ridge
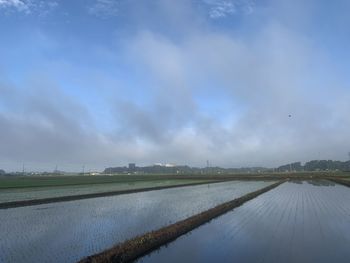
141, 245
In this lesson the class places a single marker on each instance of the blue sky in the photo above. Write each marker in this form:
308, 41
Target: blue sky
106, 82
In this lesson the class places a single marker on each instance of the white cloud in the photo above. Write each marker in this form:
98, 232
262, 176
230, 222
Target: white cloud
104, 8
28, 6
21, 6
45, 7
224, 8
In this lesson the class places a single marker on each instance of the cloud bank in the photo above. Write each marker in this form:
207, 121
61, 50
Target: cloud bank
261, 92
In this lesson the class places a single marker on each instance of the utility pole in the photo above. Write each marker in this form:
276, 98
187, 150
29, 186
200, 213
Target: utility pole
83, 169
23, 169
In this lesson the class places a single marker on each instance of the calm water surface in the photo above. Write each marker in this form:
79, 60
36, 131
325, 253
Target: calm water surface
295, 222
31, 193
66, 232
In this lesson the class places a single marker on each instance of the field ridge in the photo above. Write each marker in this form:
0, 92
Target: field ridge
33, 202
134, 248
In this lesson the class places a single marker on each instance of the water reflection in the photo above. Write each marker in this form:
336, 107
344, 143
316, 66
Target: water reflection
291, 223
68, 231
318, 182
321, 183
296, 181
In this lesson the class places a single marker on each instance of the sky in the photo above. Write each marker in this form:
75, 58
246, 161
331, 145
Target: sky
100, 83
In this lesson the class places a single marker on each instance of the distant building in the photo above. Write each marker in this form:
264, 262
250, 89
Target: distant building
132, 167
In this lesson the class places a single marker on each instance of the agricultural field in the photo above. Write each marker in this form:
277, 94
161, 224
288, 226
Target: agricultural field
41, 192
295, 222
69, 231
14, 182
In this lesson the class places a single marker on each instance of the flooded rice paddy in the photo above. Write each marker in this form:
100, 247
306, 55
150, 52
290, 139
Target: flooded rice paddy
295, 222
32, 193
66, 232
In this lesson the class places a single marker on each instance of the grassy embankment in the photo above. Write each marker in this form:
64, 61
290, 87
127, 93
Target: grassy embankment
57, 181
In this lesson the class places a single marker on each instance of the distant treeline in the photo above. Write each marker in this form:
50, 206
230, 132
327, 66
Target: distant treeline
181, 169
316, 165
